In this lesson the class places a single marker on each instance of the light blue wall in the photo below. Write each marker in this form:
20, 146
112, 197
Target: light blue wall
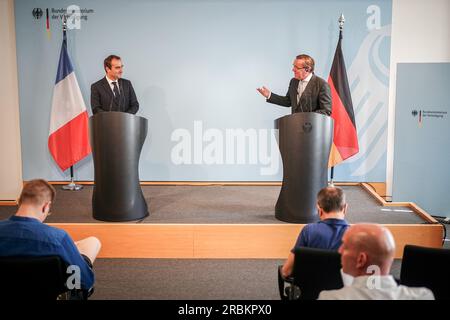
422, 149
196, 60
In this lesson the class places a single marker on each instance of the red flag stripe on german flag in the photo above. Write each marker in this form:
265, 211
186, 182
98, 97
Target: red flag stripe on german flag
345, 139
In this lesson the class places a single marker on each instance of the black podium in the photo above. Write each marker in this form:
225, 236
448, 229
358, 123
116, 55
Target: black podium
305, 142
117, 139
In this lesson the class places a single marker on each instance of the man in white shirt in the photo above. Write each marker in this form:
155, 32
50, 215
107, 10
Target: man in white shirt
367, 253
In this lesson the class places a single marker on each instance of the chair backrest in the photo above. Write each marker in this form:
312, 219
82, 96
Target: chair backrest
426, 267
316, 270
31, 278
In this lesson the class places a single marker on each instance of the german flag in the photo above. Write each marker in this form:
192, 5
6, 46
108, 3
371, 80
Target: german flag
345, 139
47, 24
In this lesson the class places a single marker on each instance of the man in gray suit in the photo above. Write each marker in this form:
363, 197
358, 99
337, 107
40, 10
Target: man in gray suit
113, 93
306, 92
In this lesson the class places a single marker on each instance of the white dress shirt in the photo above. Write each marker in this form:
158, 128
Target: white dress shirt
376, 288
302, 86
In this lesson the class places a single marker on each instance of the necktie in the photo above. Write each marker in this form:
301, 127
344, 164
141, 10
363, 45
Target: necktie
115, 90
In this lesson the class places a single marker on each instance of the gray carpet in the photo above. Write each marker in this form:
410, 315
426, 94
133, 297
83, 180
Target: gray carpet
185, 279
217, 204
179, 279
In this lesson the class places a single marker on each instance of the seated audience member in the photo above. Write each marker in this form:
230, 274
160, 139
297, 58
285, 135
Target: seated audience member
367, 252
25, 234
328, 232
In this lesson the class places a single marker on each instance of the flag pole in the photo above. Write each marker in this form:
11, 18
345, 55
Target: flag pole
331, 183
71, 186
341, 21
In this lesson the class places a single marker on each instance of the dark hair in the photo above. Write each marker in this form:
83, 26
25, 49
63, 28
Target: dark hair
108, 59
331, 199
37, 192
308, 61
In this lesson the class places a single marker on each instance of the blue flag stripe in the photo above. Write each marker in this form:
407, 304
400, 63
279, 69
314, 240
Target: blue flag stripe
64, 65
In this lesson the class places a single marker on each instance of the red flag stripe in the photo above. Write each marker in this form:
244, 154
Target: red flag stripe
67, 144
48, 21
345, 138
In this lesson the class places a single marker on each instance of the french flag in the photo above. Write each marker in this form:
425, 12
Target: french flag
68, 140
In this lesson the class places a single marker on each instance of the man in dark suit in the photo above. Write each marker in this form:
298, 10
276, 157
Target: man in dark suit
113, 93
306, 92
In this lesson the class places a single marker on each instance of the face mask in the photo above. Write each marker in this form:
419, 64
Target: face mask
347, 279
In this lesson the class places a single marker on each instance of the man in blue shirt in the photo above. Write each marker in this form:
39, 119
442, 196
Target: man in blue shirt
328, 232
25, 234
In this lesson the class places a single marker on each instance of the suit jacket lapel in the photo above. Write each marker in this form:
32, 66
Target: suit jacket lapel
120, 81
294, 95
106, 86
310, 85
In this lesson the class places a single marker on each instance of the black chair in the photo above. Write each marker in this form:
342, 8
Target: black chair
314, 270
426, 267
35, 278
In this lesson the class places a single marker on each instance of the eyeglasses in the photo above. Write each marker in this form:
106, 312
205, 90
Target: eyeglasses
299, 68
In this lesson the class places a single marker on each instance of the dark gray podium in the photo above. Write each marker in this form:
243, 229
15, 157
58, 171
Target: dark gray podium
117, 139
305, 142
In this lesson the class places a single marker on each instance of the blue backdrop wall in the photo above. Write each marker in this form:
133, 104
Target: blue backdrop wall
195, 66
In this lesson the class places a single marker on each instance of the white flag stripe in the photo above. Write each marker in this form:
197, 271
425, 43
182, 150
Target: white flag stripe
67, 102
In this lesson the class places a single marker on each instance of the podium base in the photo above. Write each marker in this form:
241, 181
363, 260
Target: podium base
291, 218
107, 218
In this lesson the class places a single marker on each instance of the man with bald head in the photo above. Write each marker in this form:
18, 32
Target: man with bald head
367, 253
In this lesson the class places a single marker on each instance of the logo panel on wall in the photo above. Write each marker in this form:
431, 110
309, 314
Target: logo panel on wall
74, 15
429, 114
